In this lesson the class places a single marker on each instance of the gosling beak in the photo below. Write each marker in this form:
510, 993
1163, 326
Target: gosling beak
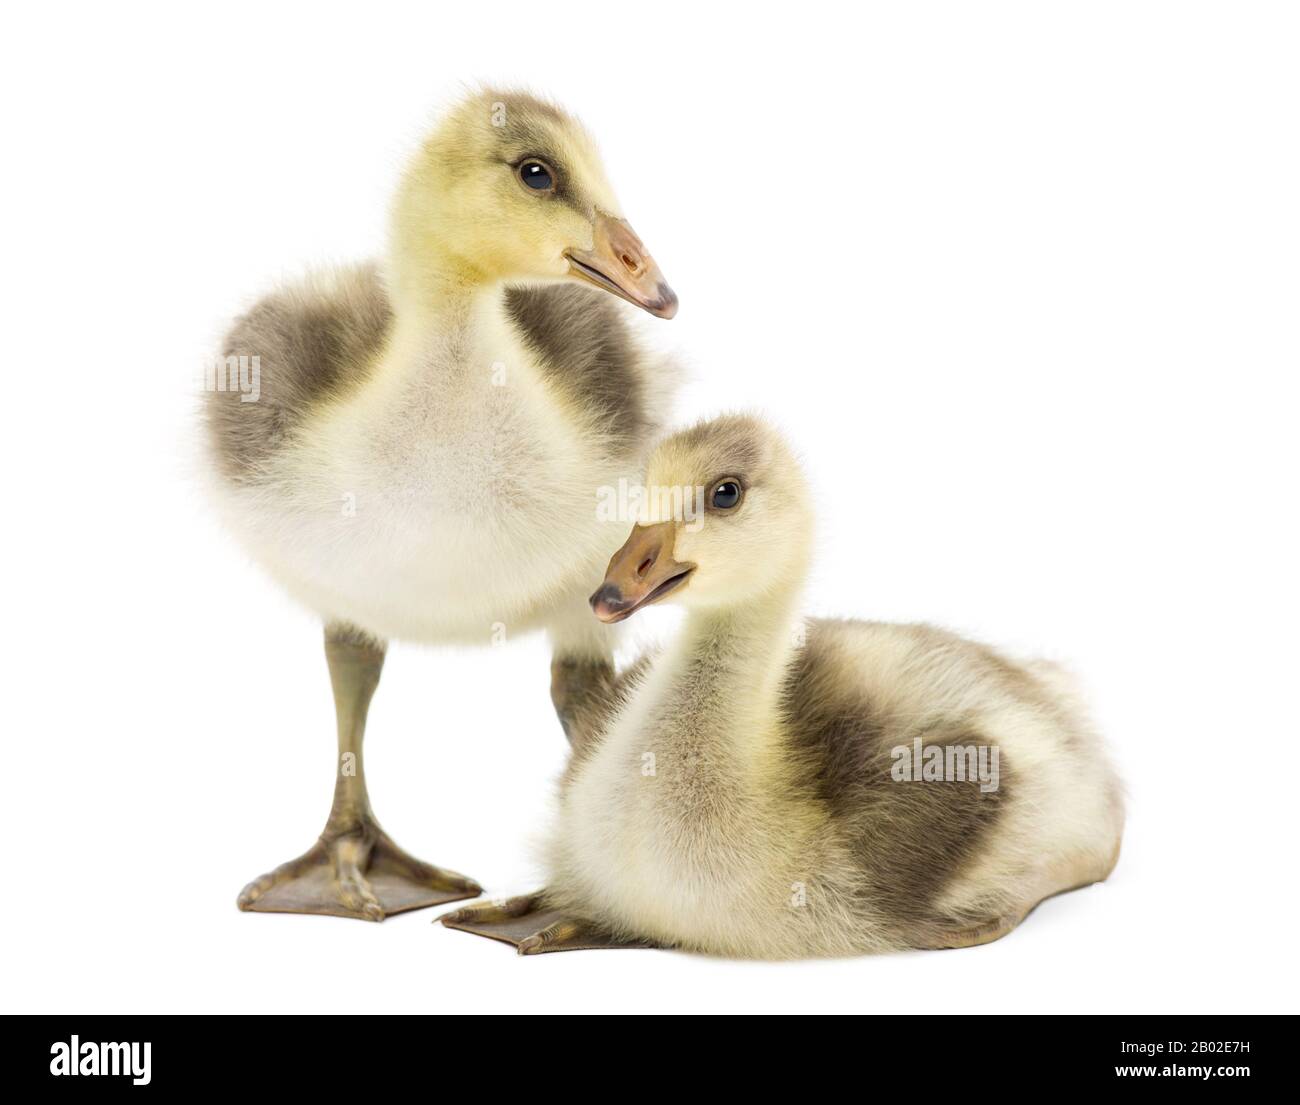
641, 572
619, 263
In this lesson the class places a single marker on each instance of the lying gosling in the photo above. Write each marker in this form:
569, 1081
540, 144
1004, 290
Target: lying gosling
775, 787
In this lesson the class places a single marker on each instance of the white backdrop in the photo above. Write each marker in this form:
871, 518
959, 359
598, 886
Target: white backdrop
1020, 279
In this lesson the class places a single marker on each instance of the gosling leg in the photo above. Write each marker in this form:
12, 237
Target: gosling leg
354, 869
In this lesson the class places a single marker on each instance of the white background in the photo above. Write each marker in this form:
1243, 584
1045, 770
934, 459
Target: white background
1020, 279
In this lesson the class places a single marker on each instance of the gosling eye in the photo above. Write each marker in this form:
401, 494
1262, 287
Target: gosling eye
726, 494
536, 175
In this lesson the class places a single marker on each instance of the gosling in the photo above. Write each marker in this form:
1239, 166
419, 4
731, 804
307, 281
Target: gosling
776, 787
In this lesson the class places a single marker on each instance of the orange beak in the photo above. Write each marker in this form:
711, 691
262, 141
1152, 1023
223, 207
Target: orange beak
642, 572
619, 263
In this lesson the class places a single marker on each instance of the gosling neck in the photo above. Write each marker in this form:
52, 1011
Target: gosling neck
729, 667
434, 290
757, 637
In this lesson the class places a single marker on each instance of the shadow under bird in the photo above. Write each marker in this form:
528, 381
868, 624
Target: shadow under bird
422, 459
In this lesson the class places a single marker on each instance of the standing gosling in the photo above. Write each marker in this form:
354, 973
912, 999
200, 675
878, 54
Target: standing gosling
421, 457
775, 788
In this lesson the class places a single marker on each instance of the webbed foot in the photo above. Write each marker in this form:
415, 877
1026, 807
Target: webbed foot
360, 873
531, 927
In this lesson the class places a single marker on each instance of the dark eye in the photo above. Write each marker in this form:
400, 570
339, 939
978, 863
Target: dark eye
537, 175
725, 495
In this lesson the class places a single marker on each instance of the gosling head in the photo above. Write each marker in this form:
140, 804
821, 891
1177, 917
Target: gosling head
509, 188
725, 521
